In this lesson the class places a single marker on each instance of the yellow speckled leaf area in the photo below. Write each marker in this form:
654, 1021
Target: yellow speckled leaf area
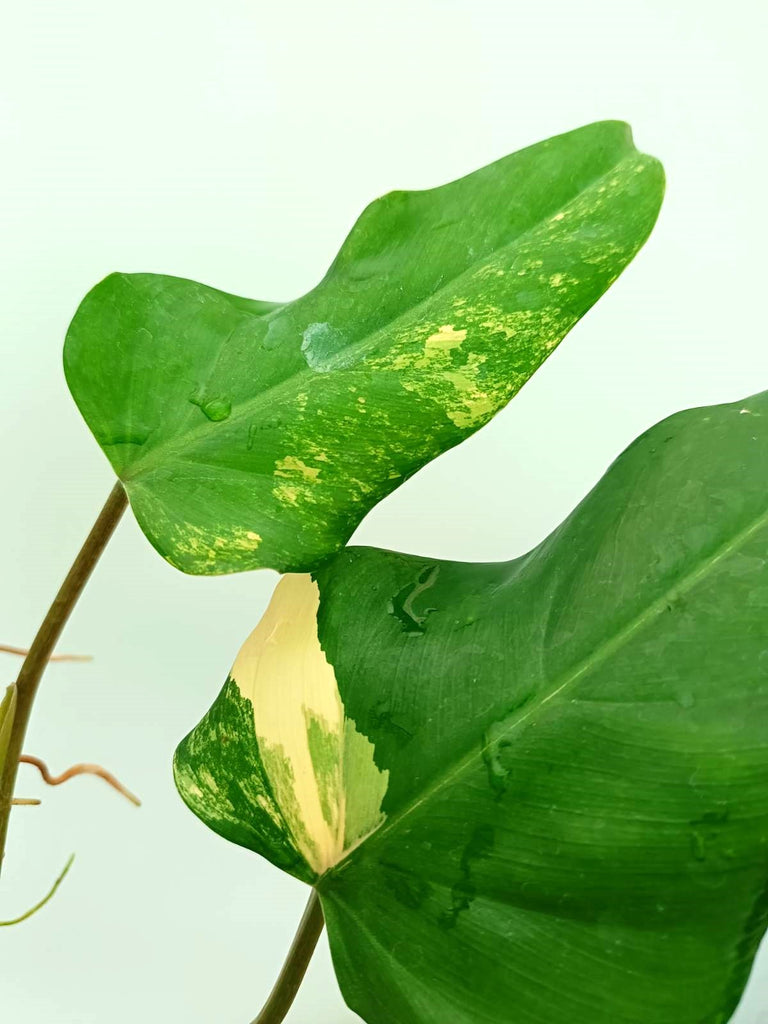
504, 333
254, 434
321, 770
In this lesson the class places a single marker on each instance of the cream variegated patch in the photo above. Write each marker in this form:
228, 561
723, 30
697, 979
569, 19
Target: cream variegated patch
320, 768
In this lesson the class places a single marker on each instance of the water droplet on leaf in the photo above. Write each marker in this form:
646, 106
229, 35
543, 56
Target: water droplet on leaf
324, 348
402, 604
137, 436
698, 847
215, 408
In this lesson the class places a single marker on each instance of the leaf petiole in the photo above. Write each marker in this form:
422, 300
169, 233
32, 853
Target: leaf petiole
295, 967
46, 639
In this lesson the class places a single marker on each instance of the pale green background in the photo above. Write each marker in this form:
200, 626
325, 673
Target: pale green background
235, 143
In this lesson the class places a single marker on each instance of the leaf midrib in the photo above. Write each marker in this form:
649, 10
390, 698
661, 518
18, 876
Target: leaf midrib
244, 410
596, 658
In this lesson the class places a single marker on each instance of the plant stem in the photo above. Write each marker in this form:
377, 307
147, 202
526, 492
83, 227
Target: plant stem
295, 967
46, 639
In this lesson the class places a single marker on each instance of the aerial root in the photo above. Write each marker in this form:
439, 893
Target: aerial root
79, 769
44, 900
22, 652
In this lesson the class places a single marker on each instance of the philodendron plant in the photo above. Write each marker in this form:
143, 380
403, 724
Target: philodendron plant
528, 792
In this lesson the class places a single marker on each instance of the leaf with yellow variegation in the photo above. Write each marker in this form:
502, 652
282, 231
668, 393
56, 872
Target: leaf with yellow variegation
252, 434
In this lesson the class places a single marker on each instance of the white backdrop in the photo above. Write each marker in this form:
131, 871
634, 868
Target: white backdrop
235, 143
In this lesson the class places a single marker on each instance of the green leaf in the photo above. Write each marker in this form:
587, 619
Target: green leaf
559, 778
253, 434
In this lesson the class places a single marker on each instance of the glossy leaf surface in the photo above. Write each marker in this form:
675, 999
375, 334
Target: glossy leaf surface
253, 434
567, 754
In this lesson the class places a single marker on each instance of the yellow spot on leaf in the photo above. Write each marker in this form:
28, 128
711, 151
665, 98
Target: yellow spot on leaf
445, 339
291, 465
204, 548
288, 494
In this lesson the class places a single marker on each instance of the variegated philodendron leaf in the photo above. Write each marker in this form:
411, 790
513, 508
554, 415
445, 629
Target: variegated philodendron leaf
295, 779
253, 434
561, 780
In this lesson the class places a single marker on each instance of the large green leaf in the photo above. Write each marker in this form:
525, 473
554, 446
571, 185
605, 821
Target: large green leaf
255, 434
535, 791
